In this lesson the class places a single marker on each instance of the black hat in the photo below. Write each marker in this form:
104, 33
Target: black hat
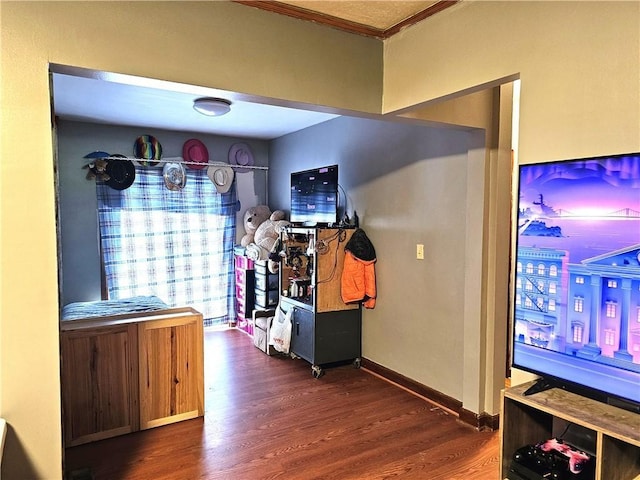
122, 173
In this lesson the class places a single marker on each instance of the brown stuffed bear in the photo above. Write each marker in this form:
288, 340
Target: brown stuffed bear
97, 170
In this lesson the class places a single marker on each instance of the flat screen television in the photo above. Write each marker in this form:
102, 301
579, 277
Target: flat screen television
576, 305
314, 196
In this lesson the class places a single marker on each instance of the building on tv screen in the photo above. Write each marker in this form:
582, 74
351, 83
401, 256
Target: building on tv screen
577, 280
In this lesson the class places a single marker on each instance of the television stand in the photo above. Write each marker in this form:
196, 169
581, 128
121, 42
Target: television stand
530, 419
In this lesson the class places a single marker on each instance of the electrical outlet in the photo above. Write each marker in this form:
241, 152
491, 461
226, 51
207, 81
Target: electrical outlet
420, 251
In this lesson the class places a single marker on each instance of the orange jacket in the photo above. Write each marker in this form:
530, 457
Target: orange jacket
358, 282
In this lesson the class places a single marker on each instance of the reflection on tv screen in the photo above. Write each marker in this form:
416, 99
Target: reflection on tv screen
314, 195
577, 291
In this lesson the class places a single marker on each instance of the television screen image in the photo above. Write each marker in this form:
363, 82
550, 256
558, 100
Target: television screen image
314, 196
576, 305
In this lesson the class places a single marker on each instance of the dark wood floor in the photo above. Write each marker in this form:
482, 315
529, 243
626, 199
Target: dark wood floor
268, 418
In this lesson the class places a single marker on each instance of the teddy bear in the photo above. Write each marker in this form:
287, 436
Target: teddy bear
267, 236
97, 170
265, 239
253, 217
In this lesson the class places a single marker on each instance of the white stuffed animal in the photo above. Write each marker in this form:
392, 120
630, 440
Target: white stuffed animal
266, 238
253, 217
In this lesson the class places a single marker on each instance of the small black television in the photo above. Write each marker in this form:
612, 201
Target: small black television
314, 196
576, 294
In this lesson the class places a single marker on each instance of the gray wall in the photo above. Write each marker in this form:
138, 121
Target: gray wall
409, 185
78, 223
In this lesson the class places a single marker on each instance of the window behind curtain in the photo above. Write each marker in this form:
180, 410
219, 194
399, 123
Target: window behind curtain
176, 245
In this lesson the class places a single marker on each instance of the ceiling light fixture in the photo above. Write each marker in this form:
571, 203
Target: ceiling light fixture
212, 107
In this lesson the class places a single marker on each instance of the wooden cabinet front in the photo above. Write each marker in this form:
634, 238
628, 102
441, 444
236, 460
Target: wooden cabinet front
101, 383
170, 362
329, 265
124, 373
312, 272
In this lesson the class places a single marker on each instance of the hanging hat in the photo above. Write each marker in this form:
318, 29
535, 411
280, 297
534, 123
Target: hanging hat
221, 174
97, 154
121, 173
174, 176
147, 147
194, 150
240, 154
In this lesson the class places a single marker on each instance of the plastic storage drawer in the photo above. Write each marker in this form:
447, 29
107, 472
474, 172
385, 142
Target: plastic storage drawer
266, 298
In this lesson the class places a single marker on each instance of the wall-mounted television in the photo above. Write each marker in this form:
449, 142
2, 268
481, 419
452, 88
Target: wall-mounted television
576, 304
314, 196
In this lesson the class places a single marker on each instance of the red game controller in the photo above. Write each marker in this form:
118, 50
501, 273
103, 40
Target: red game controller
577, 459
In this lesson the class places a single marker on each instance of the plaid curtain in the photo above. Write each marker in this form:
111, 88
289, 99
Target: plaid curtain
176, 245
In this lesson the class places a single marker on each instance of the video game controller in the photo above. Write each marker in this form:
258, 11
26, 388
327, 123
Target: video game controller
577, 459
531, 462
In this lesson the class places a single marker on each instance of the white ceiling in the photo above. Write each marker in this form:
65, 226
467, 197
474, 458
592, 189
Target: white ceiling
169, 106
